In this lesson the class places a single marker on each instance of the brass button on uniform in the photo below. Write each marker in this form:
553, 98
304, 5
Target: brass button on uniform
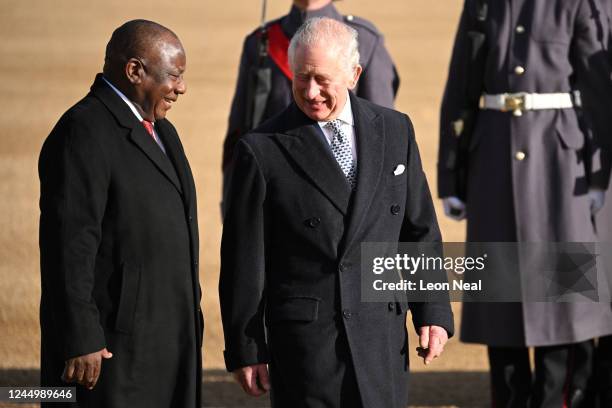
520, 29
520, 155
347, 314
518, 70
395, 209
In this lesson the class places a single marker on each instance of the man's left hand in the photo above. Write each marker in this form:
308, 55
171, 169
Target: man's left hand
85, 369
254, 379
431, 342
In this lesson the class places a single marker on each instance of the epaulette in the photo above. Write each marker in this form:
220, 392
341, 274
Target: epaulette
361, 23
257, 31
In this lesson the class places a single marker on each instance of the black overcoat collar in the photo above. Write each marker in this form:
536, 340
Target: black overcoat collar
139, 136
175, 153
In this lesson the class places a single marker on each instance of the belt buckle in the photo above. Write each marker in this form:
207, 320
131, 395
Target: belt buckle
514, 102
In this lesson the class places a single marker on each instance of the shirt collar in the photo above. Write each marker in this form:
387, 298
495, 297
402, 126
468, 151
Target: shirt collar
125, 99
346, 116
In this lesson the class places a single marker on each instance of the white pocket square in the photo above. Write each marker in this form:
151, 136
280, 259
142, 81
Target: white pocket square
399, 169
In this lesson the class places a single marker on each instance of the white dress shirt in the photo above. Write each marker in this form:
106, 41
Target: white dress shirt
347, 124
135, 111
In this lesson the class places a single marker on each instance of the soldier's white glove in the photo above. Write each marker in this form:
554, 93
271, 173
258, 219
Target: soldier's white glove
597, 199
454, 208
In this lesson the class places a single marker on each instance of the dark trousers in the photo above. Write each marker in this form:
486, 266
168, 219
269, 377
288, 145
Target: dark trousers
312, 374
560, 378
603, 369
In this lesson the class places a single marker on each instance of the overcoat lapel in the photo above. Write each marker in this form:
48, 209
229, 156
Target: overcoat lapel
138, 134
370, 135
306, 146
146, 143
175, 153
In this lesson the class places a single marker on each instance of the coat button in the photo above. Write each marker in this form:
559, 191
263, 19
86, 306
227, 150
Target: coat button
391, 306
195, 263
520, 29
190, 218
518, 70
347, 314
314, 222
395, 209
520, 155
342, 267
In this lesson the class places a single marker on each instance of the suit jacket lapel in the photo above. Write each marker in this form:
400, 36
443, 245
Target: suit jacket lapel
370, 135
137, 134
304, 143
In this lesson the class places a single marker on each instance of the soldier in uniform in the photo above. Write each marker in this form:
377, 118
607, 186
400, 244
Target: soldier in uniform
518, 161
604, 224
264, 78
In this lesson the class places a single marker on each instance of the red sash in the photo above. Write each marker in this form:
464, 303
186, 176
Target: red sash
278, 44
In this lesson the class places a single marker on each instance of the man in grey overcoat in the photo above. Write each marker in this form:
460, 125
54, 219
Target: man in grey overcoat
518, 160
308, 187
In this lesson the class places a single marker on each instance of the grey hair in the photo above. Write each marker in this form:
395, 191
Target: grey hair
332, 34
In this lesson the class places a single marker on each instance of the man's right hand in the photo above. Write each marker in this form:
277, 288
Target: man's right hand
454, 208
85, 370
254, 379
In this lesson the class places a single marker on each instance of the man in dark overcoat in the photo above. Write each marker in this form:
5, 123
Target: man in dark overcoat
518, 161
378, 83
119, 310
309, 186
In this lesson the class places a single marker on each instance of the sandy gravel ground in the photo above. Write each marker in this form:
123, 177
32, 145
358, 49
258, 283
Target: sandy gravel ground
51, 51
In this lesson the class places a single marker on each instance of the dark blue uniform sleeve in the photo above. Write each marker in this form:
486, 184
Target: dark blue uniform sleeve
592, 67
379, 81
453, 102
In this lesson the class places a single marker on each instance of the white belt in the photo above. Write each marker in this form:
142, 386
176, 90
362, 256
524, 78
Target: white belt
518, 102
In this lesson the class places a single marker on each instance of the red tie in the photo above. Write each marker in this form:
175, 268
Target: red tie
149, 126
